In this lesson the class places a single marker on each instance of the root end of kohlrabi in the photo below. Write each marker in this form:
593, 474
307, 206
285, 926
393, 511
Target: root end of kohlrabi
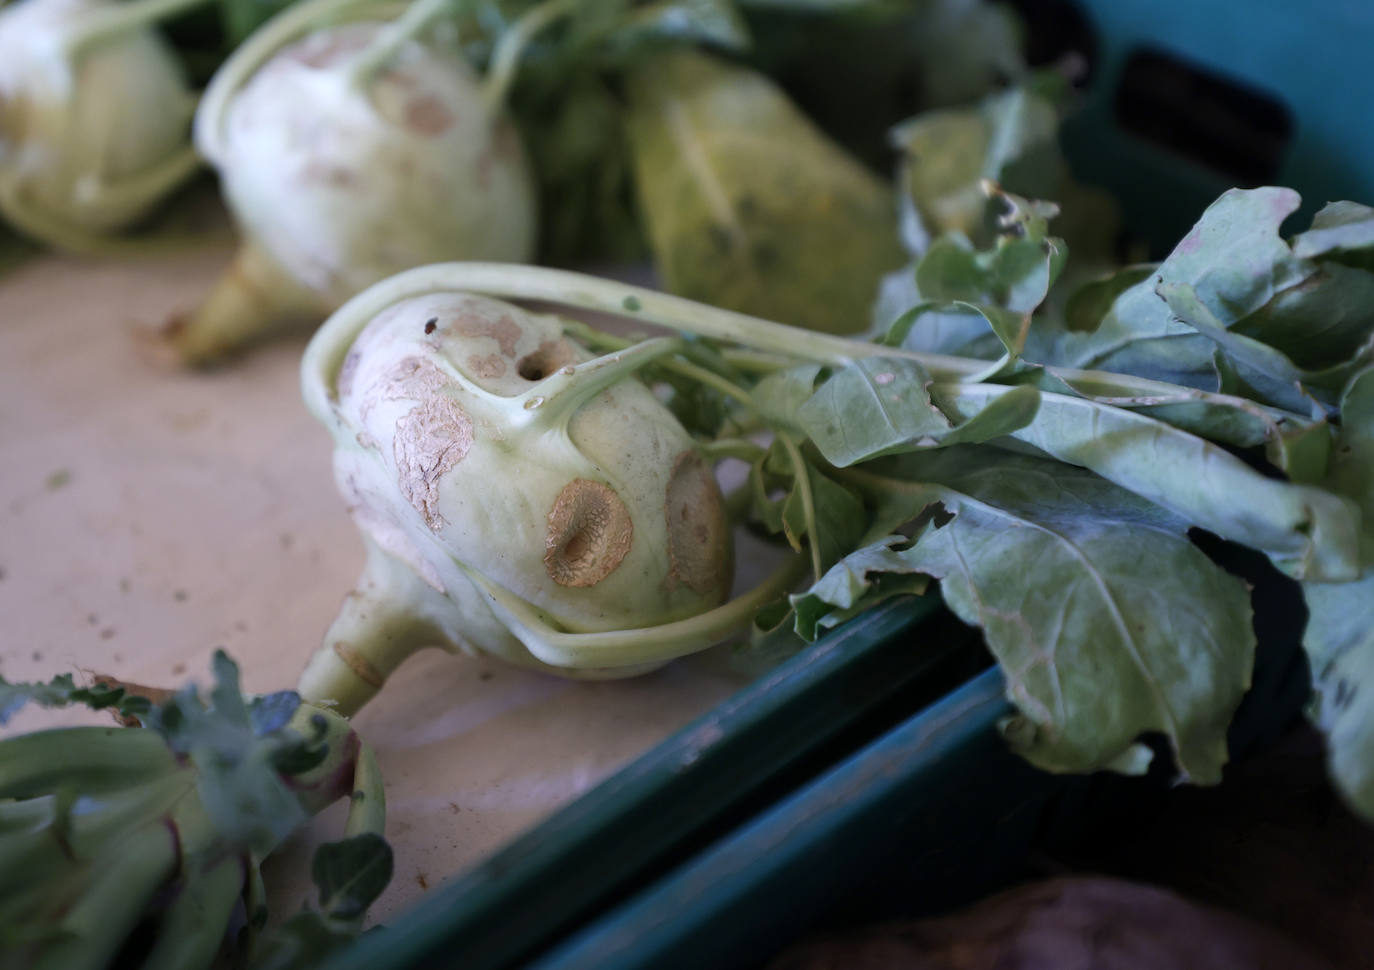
381, 623
252, 297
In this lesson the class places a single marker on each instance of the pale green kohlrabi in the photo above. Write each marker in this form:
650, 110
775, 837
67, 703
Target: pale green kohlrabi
518, 496
94, 114
349, 148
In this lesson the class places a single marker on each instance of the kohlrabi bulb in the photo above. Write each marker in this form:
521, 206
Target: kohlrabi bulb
518, 496
347, 156
94, 112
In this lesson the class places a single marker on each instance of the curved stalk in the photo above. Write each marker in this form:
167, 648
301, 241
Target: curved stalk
94, 757
35, 222
144, 186
190, 932
808, 500
117, 893
285, 27
325, 354
506, 58
395, 35
637, 645
367, 805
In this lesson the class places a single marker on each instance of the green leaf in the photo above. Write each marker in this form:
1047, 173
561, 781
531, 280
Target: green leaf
832, 522
1341, 230
272, 712
1093, 300
744, 198
880, 405
1339, 640
1308, 532
1107, 621
779, 396
238, 780
860, 580
62, 691
1273, 378
1263, 314
1010, 138
351, 874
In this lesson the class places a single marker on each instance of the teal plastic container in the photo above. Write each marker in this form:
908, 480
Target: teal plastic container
1187, 99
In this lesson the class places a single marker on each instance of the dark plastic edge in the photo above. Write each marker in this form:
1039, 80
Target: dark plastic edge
561, 873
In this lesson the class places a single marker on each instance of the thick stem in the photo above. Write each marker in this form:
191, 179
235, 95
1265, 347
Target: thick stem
367, 807
144, 187
252, 297
801, 472
111, 903
191, 931
52, 843
639, 645
97, 758
389, 41
381, 623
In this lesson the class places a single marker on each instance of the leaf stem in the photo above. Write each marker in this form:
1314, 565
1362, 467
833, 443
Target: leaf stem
364, 67
801, 471
501, 69
325, 354
640, 645
97, 758
234, 73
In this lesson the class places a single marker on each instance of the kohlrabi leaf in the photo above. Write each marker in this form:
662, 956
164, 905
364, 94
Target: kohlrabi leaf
1308, 532
1010, 138
816, 513
1352, 463
880, 405
862, 579
244, 795
962, 329
1268, 374
1343, 231
1266, 314
828, 516
62, 691
1339, 640
351, 874
748, 205
779, 396
1092, 301
272, 712
1107, 621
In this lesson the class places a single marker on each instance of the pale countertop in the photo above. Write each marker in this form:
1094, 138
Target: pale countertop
148, 517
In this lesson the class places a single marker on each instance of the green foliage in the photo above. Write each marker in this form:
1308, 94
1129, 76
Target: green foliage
62, 691
107, 830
